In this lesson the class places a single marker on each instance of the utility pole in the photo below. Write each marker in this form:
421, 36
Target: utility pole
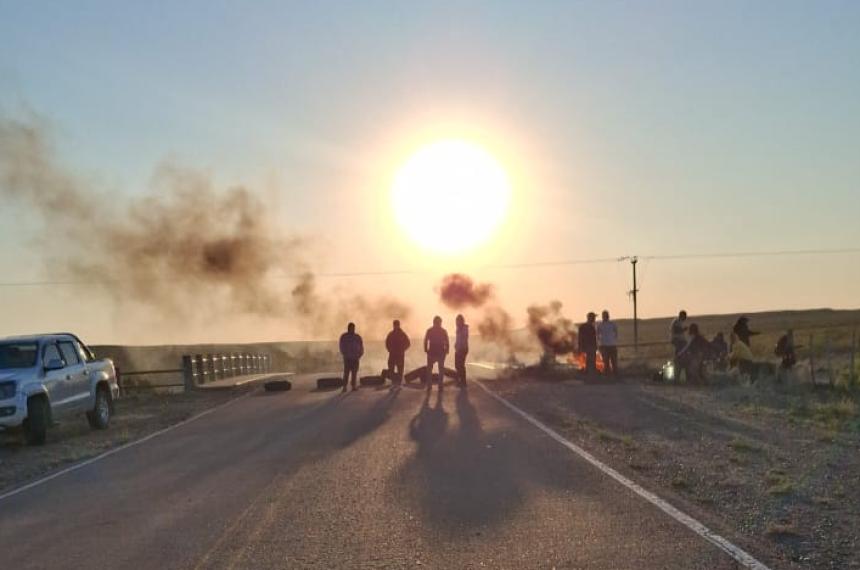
633, 261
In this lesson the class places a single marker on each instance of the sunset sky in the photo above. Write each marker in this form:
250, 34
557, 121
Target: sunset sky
624, 128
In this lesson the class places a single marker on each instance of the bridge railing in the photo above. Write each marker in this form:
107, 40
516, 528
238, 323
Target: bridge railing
196, 370
201, 369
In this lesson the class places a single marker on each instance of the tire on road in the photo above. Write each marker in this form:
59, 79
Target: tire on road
372, 380
329, 383
417, 374
278, 386
451, 373
38, 418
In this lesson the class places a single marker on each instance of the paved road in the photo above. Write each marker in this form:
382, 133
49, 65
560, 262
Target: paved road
371, 479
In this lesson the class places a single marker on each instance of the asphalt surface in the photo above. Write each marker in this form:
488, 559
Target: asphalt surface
368, 479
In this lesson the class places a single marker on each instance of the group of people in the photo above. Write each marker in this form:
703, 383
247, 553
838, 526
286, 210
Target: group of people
693, 350
603, 336
436, 347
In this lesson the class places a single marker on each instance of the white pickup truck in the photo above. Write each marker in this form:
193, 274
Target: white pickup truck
46, 377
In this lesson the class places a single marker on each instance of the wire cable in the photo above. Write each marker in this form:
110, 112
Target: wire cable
522, 265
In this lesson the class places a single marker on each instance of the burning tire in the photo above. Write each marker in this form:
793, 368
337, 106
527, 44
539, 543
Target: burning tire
278, 386
329, 383
372, 380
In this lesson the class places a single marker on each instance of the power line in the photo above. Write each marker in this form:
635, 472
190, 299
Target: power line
739, 254
521, 265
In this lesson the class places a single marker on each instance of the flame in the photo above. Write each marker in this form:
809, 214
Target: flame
578, 360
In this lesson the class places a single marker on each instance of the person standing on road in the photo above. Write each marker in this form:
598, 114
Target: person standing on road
397, 343
587, 338
436, 346
607, 337
461, 349
679, 332
352, 349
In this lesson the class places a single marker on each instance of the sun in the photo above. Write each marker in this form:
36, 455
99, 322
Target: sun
450, 196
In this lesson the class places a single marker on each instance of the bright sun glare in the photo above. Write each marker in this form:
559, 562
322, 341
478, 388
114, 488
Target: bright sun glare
450, 196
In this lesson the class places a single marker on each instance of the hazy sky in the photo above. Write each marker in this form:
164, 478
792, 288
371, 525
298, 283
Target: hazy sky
627, 127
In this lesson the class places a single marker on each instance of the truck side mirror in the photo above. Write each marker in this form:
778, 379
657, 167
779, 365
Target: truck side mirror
54, 364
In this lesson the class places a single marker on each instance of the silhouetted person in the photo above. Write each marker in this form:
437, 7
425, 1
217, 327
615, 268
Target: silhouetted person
678, 332
743, 332
785, 349
720, 350
607, 337
436, 346
397, 343
692, 357
352, 349
587, 338
461, 349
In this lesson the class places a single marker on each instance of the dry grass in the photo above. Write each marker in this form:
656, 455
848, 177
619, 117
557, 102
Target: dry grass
781, 530
778, 483
741, 445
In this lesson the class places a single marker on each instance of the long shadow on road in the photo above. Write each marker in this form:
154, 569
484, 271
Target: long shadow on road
465, 476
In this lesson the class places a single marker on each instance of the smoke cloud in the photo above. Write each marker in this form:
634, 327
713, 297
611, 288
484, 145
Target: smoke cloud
555, 332
184, 249
458, 291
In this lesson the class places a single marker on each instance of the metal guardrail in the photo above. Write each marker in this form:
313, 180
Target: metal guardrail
200, 369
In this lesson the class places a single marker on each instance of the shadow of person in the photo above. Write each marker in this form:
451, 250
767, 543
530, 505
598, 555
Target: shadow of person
429, 425
470, 425
371, 420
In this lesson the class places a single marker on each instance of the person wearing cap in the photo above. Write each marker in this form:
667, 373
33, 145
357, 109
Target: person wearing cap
587, 339
436, 345
461, 349
352, 349
397, 343
607, 339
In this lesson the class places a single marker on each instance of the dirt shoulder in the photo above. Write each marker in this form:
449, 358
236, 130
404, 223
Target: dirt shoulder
775, 469
135, 416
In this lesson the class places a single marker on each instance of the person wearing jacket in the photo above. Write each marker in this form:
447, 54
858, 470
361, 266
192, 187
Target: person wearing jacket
461, 349
352, 349
741, 358
396, 343
587, 338
607, 336
436, 346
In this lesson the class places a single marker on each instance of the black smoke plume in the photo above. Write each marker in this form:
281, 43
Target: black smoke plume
458, 291
555, 332
185, 249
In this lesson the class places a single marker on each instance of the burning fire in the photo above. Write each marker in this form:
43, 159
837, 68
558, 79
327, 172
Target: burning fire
578, 360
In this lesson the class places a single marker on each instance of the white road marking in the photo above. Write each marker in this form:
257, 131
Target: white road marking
740, 555
110, 452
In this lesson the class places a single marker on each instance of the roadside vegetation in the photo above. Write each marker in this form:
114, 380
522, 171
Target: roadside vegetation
774, 466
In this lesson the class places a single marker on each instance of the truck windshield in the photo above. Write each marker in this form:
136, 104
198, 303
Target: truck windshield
18, 354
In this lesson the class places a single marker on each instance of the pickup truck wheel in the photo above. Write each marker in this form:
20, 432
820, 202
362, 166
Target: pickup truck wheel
100, 415
36, 426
